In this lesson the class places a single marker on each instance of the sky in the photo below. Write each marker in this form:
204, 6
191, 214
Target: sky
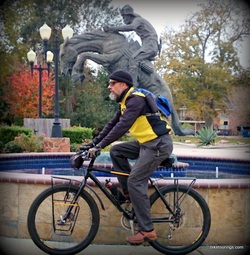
162, 13
172, 13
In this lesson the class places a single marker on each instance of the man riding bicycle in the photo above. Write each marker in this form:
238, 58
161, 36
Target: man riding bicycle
151, 146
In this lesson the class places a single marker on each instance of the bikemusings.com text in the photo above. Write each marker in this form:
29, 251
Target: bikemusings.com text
226, 247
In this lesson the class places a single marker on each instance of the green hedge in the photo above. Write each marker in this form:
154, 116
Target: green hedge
8, 133
77, 134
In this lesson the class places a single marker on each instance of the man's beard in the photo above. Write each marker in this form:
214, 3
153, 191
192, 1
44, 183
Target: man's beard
113, 96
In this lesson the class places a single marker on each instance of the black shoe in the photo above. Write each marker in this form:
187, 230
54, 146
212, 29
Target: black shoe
124, 199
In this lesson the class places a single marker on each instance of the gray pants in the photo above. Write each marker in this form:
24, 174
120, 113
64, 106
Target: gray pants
149, 155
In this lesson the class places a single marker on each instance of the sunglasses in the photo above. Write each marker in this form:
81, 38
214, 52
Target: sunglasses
112, 83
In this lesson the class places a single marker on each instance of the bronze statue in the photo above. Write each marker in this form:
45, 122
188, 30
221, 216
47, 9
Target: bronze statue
147, 34
113, 51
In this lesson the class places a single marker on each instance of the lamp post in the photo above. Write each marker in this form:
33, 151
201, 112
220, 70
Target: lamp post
31, 55
45, 33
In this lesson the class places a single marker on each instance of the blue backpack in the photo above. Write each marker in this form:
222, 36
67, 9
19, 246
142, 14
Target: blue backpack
157, 103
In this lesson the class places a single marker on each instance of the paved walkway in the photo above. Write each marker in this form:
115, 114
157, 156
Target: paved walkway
12, 246
237, 151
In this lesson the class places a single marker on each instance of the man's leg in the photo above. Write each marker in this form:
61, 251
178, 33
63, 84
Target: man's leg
149, 159
120, 153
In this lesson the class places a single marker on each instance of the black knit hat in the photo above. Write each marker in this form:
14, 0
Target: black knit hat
122, 76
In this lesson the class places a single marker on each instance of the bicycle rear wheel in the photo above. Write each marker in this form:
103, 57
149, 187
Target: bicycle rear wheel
190, 222
55, 236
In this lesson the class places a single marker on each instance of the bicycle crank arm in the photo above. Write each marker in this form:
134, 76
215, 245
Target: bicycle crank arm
131, 222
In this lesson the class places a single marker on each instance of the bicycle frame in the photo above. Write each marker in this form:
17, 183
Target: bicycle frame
172, 207
89, 175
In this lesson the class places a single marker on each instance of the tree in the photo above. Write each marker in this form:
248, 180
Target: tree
238, 102
21, 94
200, 60
20, 21
90, 105
94, 14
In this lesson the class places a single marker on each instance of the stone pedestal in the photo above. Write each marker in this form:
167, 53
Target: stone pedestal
56, 144
44, 126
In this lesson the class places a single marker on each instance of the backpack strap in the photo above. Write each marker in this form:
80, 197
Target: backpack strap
150, 99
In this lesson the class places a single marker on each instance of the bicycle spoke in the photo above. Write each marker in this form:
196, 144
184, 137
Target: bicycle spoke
54, 233
183, 231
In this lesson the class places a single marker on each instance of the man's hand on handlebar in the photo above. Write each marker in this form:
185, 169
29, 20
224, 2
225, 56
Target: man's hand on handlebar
94, 152
87, 146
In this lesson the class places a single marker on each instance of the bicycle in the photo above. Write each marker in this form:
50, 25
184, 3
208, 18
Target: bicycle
64, 219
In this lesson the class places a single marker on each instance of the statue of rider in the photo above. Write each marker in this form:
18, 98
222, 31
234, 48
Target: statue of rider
145, 31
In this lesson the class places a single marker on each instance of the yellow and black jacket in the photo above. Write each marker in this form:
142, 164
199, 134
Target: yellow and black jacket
133, 116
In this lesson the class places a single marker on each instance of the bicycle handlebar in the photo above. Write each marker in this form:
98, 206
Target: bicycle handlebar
78, 158
85, 147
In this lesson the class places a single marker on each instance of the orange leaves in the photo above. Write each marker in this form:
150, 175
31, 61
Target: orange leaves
22, 93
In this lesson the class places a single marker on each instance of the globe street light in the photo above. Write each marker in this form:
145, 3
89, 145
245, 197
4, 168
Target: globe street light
45, 32
31, 55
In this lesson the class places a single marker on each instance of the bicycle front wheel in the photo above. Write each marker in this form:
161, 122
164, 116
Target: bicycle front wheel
185, 228
47, 227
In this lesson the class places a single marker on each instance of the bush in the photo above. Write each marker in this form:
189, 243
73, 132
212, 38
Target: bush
8, 133
187, 126
206, 136
1, 146
78, 134
28, 143
74, 147
11, 147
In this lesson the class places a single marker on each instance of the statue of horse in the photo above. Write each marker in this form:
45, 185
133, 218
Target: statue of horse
113, 51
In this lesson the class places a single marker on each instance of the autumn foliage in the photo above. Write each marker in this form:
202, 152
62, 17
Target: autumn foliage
22, 93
